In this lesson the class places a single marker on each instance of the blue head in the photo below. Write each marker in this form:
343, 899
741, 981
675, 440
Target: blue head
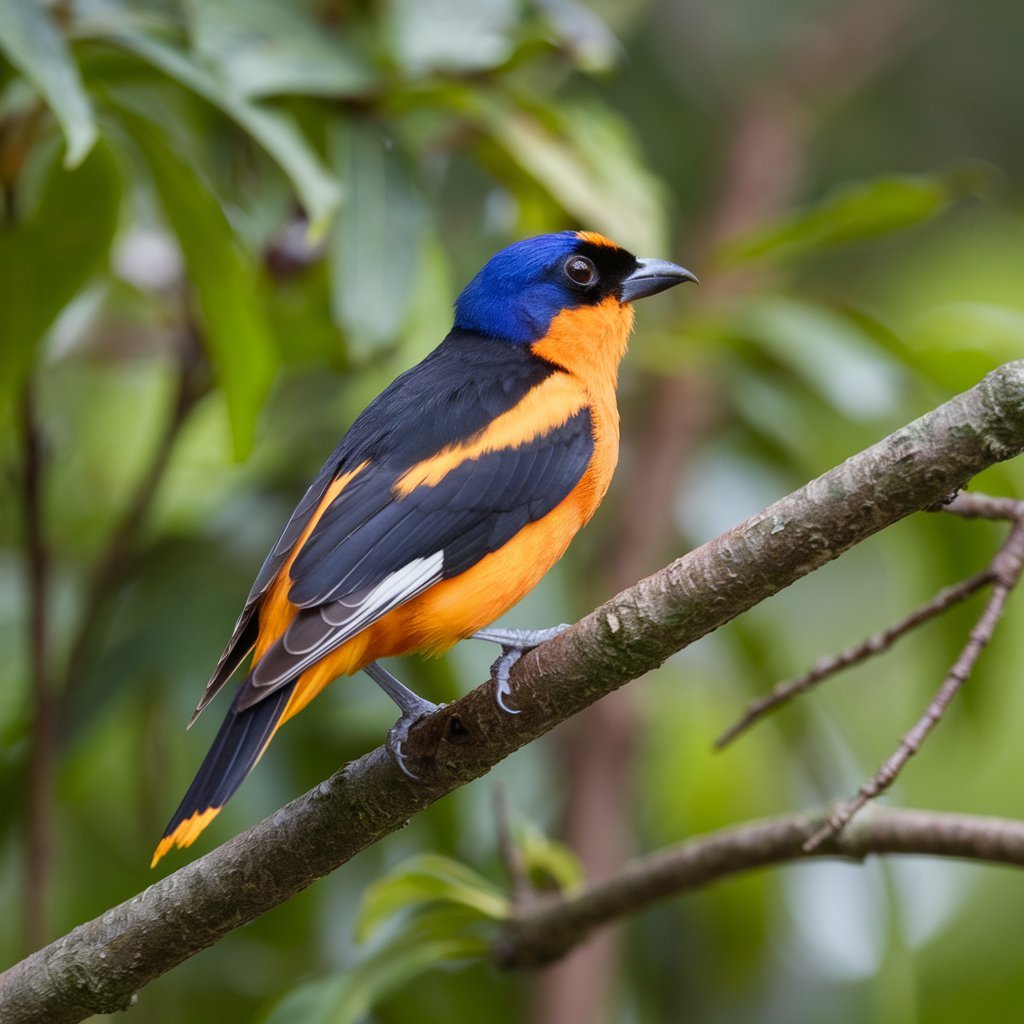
518, 292
522, 288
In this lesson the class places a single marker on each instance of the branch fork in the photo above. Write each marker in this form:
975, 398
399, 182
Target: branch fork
1002, 574
96, 967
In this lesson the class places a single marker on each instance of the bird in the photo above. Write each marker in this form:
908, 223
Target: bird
446, 501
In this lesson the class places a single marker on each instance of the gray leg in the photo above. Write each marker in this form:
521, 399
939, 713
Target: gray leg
514, 644
412, 706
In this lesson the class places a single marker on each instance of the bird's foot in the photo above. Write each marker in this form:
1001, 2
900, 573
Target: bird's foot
414, 708
399, 733
514, 644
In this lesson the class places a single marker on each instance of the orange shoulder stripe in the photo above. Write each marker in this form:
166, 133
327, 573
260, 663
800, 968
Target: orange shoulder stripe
541, 410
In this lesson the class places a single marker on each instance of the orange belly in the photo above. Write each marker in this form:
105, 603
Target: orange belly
457, 607
588, 343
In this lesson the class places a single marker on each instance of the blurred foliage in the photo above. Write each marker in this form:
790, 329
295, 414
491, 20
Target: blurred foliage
226, 224
852, 213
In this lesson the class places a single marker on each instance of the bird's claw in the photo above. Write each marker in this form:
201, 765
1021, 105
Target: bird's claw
514, 644
399, 733
499, 673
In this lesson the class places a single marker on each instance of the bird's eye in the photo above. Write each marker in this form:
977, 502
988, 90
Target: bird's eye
581, 271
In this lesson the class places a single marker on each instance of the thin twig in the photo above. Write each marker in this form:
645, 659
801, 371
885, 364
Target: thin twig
98, 966
966, 505
972, 505
548, 930
39, 847
49, 694
116, 561
825, 668
1003, 573
511, 855
1006, 569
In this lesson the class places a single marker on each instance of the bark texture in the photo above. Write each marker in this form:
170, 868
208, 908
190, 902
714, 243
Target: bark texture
551, 927
97, 967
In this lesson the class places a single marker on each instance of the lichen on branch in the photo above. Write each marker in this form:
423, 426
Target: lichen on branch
97, 967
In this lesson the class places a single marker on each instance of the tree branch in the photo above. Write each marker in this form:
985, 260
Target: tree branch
877, 643
968, 506
1006, 572
115, 563
545, 931
97, 967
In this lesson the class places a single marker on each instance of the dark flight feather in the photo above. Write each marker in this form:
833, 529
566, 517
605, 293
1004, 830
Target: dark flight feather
463, 518
452, 395
238, 745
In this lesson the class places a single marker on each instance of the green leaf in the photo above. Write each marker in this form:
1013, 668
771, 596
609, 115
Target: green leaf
960, 342
853, 213
377, 239
275, 132
309, 1003
265, 48
47, 259
429, 879
585, 158
549, 864
346, 999
839, 361
434, 935
35, 46
236, 330
455, 36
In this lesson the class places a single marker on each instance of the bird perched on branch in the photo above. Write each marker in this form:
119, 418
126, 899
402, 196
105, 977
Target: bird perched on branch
447, 500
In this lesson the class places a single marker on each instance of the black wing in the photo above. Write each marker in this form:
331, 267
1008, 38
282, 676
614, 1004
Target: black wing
451, 395
372, 551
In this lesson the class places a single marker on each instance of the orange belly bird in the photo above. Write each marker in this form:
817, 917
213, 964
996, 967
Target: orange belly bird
448, 499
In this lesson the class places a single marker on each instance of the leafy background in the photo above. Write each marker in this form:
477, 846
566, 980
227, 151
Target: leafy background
226, 224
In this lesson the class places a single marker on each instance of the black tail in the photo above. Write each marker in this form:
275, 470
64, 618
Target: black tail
239, 743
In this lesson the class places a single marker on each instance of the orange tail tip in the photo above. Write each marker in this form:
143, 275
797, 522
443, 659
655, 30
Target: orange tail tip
241, 739
185, 834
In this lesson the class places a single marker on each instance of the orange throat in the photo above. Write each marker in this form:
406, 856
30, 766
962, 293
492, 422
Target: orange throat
589, 342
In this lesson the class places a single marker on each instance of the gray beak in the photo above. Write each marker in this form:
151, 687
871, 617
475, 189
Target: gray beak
653, 276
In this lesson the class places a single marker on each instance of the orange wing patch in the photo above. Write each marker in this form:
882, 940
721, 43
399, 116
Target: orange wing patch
543, 409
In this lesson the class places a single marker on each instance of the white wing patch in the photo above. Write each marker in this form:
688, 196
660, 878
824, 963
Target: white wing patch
317, 632
394, 589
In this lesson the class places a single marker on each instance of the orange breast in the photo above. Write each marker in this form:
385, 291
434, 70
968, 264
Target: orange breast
588, 342
456, 608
